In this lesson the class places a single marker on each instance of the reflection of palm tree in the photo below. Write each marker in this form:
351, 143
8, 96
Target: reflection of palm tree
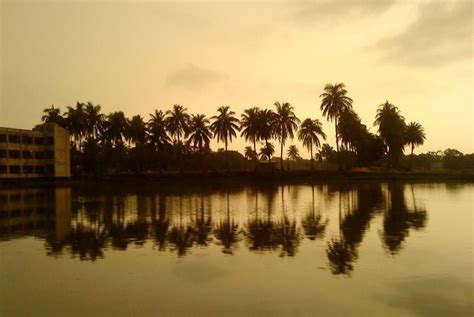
286, 232
399, 219
161, 225
313, 224
340, 257
203, 226
181, 237
226, 232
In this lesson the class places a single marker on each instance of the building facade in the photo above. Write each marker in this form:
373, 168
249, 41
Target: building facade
35, 153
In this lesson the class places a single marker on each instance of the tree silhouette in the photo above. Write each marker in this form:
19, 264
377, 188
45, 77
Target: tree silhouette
414, 136
267, 151
284, 124
334, 102
249, 126
224, 127
309, 133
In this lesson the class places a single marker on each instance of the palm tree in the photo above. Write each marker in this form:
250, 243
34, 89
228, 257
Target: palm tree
293, 153
177, 122
224, 127
249, 153
392, 130
285, 123
414, 136
116, 127
249, 126
75, 121
267, 151
94, 120
265, 119
137, 133
309, 133
157, 130
199, 134
333, 104
52, 115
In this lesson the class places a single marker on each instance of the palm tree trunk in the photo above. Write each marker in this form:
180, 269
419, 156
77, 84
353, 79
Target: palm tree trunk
337, 146
411, 156
311, 150
226, 155
281, 155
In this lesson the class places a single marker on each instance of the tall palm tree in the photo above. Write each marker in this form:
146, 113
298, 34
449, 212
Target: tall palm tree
309, 133
265, 119
414, 136
285, 123
52, 115
392, 130
334, 102
267, 151
224, 127
94, 120
157, 130
137, 134
116, 127
249, 126
199, 134
177, 122
75, 121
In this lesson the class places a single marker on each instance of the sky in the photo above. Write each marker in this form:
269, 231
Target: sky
137, 56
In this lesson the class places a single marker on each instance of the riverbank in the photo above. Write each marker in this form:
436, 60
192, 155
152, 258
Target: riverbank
248, 177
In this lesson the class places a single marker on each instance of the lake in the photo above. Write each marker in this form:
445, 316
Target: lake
215, 249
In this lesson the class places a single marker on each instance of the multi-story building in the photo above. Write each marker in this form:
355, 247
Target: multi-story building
34, 153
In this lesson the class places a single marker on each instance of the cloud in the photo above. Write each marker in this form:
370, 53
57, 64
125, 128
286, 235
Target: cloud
442, 34
336, 10
193, 77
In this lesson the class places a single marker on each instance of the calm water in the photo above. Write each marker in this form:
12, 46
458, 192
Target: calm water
362, 249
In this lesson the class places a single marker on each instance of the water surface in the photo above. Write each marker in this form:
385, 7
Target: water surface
381, 249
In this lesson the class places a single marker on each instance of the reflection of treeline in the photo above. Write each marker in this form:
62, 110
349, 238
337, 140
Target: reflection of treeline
177, 222
176, 140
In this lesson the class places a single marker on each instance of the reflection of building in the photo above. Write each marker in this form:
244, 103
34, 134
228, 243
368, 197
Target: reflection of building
39, 153
35, 212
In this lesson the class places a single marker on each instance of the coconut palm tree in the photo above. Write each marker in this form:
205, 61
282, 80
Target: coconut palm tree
75, 121
309, 133
94, 120
284, 124
266, 152
293, 153
265, 119
392, 130
249, 153
199, 134
334, 102
157, 129
224, 127
52, 115
136, 133
414, 136
177, 122
249, 126
116, 127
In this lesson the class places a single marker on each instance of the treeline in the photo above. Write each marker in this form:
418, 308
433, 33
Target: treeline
177, 140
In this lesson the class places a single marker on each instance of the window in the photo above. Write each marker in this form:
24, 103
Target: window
14, 154
39, 155
39, 169
14, 139
49, 169
49, 140
27, 169
26, 139
14, 169
27, 154
39, 140
3, 153
3, 138
3, 169
49, 155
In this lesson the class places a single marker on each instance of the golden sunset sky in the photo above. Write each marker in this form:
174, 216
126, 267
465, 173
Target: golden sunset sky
138, 56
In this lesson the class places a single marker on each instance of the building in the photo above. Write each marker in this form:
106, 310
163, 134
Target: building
34, 153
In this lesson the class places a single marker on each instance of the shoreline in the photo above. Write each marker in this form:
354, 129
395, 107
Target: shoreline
245, 177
